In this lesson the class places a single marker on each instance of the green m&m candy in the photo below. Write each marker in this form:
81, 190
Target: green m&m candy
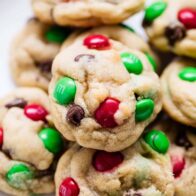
188, 74
127, 27
132, 63
51, 139
157, 140
57, 34
144, 109
152, 61
18, 176
154, 10
65, 91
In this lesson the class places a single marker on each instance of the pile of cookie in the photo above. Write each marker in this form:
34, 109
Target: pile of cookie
97, 112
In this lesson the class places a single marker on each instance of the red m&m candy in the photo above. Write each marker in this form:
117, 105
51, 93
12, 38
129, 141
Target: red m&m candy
1, 137
187, 17
35, 112
98, 42
106, 161
69, 188
178, 164
104, 114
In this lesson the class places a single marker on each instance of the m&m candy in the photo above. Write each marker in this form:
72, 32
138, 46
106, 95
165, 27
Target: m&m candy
104, 114
97, 42
35, 112
57, 34
187, 17
154, 10
52, 140
106, 161
157, 141
152, 61
132, 63
18, 176
178, 164
188, 74
144, 109
69, 187
65, 90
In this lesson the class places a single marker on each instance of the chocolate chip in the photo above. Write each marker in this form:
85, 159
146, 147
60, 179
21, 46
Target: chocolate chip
42, 173
45, 66
89, 57
175, 32
146, 23
18, 102
182, 140
75, 114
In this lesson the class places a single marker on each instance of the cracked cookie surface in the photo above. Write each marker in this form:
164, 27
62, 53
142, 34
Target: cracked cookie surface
85, 13
137, 170
102, 93
121, 33
29, 143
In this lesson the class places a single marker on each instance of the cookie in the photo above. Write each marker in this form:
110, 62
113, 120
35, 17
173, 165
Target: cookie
121, 33
102, 93
182, 153
33, 51
171, 26
179, 87
29, 143
137, 170
85, 13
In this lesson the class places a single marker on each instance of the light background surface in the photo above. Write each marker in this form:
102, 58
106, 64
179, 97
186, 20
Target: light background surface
13, 16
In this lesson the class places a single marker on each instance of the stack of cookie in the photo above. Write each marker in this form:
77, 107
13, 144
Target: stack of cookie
171, 27
90, 97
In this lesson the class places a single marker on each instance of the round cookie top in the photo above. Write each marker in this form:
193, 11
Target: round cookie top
29, 142
85, 13
102, 93
179, 86
171, 26
137, 170
182, 154
30, 66
122, 33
